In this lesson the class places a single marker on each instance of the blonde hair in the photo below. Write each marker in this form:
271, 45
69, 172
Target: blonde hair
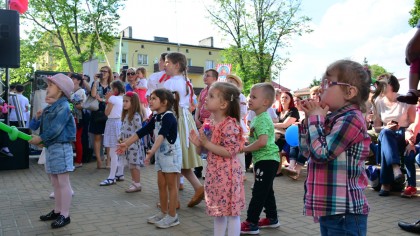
353, 73
268, 91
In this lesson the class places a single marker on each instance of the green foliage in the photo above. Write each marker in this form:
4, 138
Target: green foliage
67, 30
315, 82
377, 70
260, 31
415, 14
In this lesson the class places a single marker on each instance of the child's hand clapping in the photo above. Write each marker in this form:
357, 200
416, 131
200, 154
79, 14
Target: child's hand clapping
195, 139
314, 108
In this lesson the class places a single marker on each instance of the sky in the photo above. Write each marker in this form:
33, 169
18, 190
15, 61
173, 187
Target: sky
343, 29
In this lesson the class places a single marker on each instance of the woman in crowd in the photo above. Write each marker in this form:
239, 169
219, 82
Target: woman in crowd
288, 114
99, 89
391, 119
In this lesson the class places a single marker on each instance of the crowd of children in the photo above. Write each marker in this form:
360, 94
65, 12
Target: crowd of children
333, 139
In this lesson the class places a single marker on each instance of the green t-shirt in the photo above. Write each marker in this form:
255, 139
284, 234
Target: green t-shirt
263, 125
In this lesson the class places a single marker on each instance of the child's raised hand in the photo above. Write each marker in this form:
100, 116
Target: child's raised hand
194, 138
314, 108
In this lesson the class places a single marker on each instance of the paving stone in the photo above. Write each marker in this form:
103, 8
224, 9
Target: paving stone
24, 196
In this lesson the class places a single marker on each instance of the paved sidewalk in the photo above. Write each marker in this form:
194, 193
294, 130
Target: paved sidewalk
110, 211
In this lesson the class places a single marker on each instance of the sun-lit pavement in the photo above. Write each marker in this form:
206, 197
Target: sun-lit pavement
110, 211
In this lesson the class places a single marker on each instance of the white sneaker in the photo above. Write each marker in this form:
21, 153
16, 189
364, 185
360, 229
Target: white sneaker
52, 196
157, 217
167, 221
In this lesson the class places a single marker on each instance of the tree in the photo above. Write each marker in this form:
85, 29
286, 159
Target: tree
70, 28
415, 14
315, 82
377, 70
260, 30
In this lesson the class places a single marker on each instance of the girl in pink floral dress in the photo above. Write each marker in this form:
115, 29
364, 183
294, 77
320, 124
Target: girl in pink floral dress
222, 138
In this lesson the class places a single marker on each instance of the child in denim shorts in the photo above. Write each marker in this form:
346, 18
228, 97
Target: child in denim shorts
57, 132
168, 154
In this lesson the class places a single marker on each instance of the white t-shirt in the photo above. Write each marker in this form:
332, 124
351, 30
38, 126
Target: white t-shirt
116, 111
24, 105
271, 112
397, 112
142, 83
153, 82
178, 83
244, 111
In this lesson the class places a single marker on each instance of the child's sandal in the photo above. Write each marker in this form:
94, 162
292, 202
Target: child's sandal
107, 182
119, 178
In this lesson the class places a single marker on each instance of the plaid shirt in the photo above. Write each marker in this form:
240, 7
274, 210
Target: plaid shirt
337, 147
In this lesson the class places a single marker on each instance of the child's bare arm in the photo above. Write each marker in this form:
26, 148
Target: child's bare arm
258, 144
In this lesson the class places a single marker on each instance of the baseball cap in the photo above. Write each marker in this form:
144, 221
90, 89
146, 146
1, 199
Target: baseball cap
63, 82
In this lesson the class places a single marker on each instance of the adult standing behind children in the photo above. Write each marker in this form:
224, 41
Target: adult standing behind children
77, 98
99, 89
223, 140
337, 146
24, 107
153, 81
266, 161
176, 68
57, 132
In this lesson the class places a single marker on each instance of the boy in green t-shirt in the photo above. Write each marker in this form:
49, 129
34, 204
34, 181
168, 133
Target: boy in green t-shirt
266, 161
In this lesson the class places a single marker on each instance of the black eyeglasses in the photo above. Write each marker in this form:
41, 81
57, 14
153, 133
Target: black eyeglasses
131, 73
104, 71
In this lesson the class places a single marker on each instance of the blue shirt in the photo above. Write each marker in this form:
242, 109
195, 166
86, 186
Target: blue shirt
56, 123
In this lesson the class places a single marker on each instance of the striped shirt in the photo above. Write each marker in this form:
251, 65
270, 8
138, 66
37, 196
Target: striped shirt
337, 147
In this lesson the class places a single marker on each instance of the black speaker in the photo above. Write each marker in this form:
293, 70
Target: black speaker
18, 148
9, 39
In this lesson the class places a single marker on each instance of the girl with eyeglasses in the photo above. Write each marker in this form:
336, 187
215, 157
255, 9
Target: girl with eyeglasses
334, 139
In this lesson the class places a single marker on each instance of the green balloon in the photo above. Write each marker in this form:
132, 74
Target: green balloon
14, 133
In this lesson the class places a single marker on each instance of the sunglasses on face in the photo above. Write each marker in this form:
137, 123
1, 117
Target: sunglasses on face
131, 73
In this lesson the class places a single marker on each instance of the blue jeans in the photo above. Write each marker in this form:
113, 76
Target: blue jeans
410, 166
390, 146
296, 155
343, 224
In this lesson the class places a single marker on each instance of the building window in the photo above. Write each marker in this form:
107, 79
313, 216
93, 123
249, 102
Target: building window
187, 51
168, 49
123, 58
189, 62
209, 53
142, 59
209, 64
142, 46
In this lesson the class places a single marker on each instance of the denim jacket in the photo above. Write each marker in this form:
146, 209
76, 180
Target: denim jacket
56, 123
